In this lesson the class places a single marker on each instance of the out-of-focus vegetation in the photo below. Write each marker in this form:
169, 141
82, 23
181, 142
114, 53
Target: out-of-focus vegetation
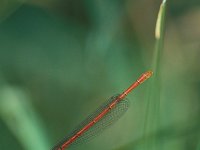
60, 59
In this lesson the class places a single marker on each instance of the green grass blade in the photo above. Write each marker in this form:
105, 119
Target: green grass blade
159, 35
153, 99
18, 114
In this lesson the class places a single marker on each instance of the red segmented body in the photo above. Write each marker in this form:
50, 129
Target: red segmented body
141, 79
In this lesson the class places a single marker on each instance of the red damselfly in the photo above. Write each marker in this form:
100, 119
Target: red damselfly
103, 117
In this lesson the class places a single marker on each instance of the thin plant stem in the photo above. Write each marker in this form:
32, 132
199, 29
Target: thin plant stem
153, 100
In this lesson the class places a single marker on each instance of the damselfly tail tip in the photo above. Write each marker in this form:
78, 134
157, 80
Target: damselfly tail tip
149, 74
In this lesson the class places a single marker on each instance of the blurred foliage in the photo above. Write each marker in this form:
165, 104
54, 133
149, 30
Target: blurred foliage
60, 59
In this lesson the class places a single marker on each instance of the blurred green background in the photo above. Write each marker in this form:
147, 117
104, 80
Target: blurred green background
61, 59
